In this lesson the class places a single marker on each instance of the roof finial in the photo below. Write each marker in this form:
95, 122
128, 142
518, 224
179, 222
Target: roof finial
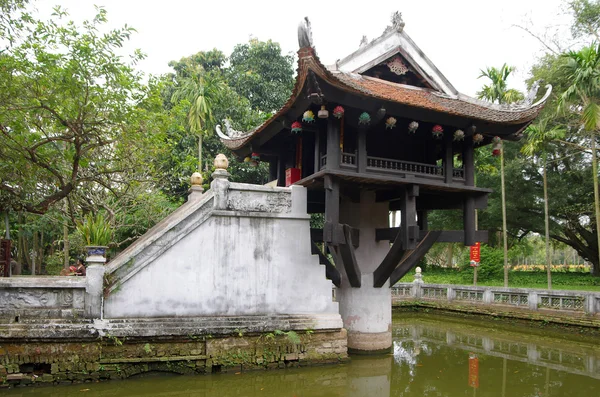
364, 41
304, 33
397, 21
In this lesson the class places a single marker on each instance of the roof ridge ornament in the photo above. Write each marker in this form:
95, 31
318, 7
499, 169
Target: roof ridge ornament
397, 23
305, 33
230, 133
364, 41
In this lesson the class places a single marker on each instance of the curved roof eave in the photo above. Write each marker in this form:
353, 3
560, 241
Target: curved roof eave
459, 105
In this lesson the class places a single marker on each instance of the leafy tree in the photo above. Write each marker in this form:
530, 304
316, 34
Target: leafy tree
259, 72
587, 18
583, 75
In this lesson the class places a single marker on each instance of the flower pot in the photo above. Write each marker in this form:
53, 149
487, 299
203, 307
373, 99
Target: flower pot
95, 254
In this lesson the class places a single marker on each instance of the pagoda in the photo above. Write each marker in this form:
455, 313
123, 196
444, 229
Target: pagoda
380, 130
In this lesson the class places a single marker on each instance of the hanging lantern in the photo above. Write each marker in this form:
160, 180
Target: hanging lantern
364, 118
308, 116
253, 163
390, 123
459, 135
437, 131
255, 156
477, 139
497, 146
323, 113
412, 127
296, 127
247, 159
338, 112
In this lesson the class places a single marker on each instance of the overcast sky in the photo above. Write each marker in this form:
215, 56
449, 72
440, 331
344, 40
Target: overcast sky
460, 37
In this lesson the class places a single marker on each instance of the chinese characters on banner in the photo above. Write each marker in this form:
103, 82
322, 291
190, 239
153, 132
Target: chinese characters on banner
475, 254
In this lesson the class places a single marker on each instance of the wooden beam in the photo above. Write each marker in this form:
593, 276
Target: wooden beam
361, 153
422, 220
281, 168
468, 157
316, 235
410, 260
448, 157
446, 236
348, 257
331, 272
446, 202
408, 217
317, 152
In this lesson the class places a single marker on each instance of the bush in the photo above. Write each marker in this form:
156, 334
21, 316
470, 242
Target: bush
492, 263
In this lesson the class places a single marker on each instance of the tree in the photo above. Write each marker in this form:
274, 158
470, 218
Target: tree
497, 91
583, 93
201, 89
539, 136
587, 18
259, 72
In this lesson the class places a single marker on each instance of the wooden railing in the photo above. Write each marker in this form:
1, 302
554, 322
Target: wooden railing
404, 166
348, 160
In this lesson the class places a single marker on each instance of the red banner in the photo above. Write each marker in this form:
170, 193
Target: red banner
475, 254
473, 371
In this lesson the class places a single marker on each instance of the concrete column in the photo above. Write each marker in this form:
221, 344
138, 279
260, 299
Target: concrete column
532, 300
94, 286
370, 377
220, 183
366, 311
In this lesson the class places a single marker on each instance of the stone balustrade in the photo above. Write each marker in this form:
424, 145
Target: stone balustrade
42, 297
528, 298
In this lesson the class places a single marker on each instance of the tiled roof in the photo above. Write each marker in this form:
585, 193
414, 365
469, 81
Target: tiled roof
461, 106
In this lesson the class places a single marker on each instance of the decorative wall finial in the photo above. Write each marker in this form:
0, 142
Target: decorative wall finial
305, 33
196, 179
221, 162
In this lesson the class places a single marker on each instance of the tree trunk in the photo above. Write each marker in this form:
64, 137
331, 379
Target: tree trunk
19, 268
596, 271
547, 224
504, 235
200, 152
66, 242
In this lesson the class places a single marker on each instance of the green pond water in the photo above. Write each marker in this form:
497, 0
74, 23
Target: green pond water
433, 355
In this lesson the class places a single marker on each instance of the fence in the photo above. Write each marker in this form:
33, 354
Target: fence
532, 299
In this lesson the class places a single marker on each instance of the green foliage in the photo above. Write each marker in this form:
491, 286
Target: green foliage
497, 90
587, 18
54, 263
492, 263
95, 230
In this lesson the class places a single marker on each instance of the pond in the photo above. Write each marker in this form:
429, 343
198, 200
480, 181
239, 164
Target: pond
433, 355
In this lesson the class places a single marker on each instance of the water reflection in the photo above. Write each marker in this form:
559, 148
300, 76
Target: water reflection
430, 358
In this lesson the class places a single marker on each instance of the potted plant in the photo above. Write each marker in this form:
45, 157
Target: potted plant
97, 234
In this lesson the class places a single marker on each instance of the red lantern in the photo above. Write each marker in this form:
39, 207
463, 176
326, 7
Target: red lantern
497, 147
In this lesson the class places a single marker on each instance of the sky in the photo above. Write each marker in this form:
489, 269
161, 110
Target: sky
461, 37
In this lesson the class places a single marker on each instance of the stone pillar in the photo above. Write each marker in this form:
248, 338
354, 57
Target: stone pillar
94, 285
366, 311
370, 377
220, 183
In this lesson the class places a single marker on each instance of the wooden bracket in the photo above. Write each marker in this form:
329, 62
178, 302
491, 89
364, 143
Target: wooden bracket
331, 272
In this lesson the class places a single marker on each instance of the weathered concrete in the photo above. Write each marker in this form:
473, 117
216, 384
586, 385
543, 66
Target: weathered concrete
366, 311
41, 297
245, 251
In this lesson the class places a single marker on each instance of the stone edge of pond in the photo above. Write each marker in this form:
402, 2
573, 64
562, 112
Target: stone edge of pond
545, 317
38, 362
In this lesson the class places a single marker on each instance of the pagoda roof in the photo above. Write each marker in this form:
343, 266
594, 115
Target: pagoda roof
439, 96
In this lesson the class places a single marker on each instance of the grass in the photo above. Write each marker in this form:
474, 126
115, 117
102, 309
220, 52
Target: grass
516, 279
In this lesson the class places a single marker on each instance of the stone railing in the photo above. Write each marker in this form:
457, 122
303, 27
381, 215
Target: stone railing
528, 298
42, 297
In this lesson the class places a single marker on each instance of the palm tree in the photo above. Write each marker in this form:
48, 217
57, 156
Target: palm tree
498, 92
583, 96
538, 138
202, 90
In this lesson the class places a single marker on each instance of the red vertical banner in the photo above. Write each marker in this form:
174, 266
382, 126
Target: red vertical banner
473, 371
475, 254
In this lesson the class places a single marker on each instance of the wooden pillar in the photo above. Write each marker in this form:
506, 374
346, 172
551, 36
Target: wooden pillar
468, 158
317, 152
469, 220
281, 168
273, 169
448, 158
333, 144
409, 231
331, 234
361, 153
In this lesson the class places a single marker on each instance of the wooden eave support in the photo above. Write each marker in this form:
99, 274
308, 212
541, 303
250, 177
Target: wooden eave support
331, 272
412, 258
348, 257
